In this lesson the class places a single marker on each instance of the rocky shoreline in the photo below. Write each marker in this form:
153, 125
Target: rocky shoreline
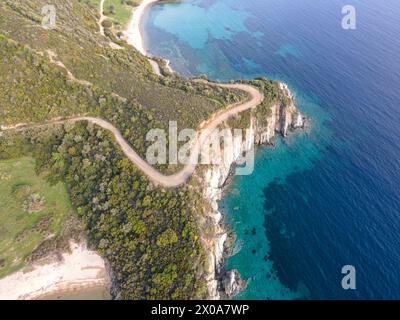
283, 118
223, 283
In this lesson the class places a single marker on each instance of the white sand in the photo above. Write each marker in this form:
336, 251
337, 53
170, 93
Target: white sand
78, 270
133, 33
133, 36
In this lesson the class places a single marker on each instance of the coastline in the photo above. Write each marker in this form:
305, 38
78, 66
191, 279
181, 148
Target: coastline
222, 283
71, 272
282, 120
211, 192
82, 269
133, 33
59, 276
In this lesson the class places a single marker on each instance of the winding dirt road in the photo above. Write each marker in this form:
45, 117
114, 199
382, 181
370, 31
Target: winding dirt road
158, 178
256, 97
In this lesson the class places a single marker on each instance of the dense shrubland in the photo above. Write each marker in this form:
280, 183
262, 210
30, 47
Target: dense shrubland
77, 43
148, 234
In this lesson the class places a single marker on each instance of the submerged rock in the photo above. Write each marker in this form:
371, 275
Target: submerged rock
233, 283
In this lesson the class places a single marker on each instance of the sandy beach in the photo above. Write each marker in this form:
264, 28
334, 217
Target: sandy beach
133, 33
77, 271
134, 36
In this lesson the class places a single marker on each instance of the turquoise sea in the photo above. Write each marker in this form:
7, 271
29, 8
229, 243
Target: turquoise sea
327, 197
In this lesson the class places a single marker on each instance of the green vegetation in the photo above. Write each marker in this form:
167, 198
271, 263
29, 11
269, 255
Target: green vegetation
273, 95
149, 235
29, 80
119, 11
95, 4
88, 57
31, 210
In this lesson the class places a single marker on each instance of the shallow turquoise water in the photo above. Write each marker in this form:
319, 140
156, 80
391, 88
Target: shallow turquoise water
245, 201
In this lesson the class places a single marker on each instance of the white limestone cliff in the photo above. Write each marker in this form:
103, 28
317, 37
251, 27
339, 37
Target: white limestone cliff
281, 120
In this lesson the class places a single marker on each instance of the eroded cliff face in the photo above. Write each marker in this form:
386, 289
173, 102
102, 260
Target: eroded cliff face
281, 120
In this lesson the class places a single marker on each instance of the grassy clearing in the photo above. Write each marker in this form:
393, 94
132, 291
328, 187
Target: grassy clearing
119, 11
31, 210
92, 3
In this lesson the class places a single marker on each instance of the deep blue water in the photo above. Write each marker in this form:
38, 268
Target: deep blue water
324, 198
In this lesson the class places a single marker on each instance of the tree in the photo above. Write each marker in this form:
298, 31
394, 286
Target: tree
168, 237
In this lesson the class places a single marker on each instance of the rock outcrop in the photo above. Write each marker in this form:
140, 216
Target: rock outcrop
281, 120
232, 283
